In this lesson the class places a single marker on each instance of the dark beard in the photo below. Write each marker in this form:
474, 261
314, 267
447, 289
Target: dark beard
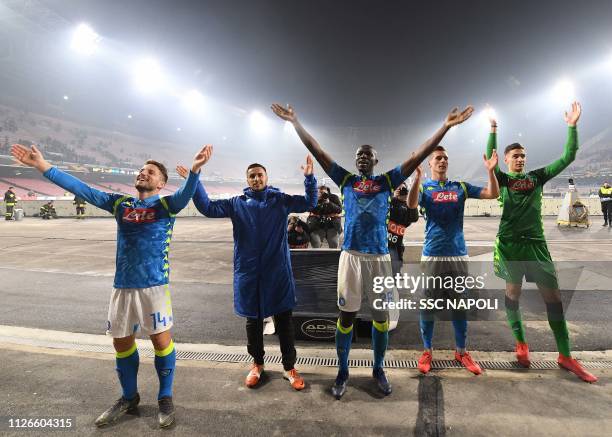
141, 189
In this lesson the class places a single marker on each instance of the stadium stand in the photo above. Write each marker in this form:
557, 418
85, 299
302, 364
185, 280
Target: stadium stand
38, 186
20, 192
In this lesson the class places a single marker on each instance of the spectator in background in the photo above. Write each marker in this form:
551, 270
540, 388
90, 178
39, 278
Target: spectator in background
10, 200
324, 221
605, 196
298, 234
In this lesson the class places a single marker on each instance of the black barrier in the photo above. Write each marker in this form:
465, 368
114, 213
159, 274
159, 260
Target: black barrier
585, 292
316, 277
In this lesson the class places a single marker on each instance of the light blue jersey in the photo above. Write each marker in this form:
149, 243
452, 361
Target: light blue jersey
366, 203
443, 203
144, 228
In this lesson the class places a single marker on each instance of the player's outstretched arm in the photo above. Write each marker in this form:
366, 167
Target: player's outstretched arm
307, 202
571, 145
492, 141
32, 157
413, 194
491, 191
453, 118
180, 198
322, 157
206, 207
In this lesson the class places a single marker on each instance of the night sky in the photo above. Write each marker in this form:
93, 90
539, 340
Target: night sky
374, 67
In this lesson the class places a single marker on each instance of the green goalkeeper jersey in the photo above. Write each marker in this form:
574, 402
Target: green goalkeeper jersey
521, 193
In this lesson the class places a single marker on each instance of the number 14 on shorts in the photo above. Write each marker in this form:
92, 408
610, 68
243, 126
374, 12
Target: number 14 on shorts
157, 318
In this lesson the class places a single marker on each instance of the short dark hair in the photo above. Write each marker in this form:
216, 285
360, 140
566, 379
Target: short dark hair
513, 146
438, 148
368, 146
160, 166
256, 165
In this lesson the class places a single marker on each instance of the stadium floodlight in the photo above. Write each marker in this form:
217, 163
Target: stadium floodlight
194, 101
129, 116
65, 97
564, 91
147, 75
178, 129
84, 40
259, 122
487, 113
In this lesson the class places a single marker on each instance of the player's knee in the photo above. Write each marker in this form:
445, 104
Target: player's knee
123, 344
513, 291
162, 340
347, 319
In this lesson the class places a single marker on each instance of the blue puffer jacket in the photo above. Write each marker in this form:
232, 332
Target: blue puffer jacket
263, 280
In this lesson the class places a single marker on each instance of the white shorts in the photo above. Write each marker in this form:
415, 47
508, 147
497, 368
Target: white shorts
147, 309
356, 273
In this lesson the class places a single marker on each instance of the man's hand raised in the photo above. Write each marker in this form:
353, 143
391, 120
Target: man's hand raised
455, 117
30, 157
182, 171
308, 168
491, 163
201, 158
287, 113
573, 116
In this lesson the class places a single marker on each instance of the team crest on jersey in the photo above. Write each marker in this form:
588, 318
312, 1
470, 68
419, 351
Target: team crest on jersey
368, 186
445, 197
139, 215
396, 228
521, 184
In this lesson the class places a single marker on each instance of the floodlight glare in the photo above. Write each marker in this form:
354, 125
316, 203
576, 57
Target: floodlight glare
147, 75
194, 101
288, 127
487, 113
564, 91
84, 40
259, 122
65, 97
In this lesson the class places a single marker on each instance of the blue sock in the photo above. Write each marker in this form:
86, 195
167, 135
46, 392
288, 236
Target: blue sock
380, 340
127, 370
460, 332
427, 328
165, 362
344, 337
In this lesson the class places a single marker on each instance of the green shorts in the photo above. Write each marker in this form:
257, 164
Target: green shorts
514, 260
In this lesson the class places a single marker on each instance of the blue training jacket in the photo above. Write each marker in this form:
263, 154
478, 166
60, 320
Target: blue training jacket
263, 279
144, 228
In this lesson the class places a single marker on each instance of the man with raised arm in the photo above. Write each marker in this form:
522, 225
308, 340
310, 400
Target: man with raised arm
263, 279
520, 247
141, 296
445, 258
365, 252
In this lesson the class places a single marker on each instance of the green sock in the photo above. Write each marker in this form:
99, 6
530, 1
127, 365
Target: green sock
557, 323
513, 315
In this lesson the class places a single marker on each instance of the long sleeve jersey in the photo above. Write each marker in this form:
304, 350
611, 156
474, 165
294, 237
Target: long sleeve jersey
521, 193
144, 228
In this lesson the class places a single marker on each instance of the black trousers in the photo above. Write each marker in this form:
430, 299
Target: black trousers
286, 336
606, 208
9, 211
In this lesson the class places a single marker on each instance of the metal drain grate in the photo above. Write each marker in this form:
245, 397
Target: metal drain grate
304, 361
